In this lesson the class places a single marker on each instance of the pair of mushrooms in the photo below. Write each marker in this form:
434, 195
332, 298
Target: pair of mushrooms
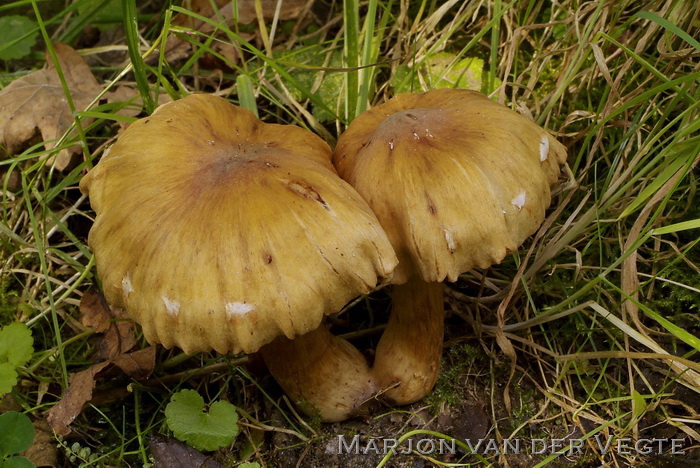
218, 231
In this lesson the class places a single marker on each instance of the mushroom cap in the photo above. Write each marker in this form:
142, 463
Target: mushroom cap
456, 179
218, 231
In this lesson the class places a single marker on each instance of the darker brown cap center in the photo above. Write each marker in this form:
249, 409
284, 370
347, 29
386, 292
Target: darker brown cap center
418, 126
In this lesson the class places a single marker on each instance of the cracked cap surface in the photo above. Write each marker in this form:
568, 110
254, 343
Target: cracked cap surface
218, 231
457, 180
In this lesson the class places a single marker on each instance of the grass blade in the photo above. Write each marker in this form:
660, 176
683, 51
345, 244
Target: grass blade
664, 23
131, 28
246, 95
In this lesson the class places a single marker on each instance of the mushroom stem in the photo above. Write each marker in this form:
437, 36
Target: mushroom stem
324, 374
408, 354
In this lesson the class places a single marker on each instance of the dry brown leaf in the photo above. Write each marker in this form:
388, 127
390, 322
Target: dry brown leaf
176, 48
134, 106
171, 453
119, 336
126, 94
95, 312
119, 339
137, 365
36, 104
79, 392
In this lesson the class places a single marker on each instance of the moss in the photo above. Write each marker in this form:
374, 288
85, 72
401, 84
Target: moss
449, 388
9, 301
526, 406
671, 299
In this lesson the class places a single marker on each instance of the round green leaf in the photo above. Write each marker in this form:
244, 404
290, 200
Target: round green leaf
13, 28
442, 70
16, 344
303, 63
8, 377
202, 430
17, 462
17, 433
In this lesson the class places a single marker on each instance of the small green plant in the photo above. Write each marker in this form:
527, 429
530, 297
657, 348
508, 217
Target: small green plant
442, 70
306, 64
16, 347
202, 430
15, 41
77, 454
17, 435
449, 387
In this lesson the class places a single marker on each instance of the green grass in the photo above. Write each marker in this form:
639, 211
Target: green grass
604, 316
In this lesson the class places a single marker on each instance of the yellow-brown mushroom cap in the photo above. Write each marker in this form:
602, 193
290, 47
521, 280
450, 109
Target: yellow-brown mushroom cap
456, 179
218, 231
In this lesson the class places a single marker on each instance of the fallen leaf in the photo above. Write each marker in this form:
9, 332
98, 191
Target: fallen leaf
177, 48
119, 339
36, 104
119, 336
95, 312
289, 9
170, 453
128, 94
79, 392
137, 365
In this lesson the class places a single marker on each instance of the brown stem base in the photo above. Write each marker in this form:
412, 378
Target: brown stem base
323, 374
408, 355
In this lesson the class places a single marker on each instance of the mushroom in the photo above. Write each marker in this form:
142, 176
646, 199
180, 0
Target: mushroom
457, 181
217, 231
